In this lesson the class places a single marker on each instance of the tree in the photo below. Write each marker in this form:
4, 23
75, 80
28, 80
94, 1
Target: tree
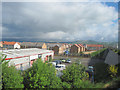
74, 74
11, 77
41, 75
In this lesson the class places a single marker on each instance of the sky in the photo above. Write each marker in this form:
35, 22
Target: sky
61, 21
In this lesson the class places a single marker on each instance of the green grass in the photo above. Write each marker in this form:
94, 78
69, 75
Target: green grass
97, 52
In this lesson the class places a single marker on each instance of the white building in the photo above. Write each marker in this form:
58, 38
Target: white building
9, 45
22, 59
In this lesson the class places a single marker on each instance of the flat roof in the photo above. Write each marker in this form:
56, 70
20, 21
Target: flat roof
19, 53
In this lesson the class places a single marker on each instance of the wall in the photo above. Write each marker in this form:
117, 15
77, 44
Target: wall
8, 46
1, 45
56, 49
24, 63
74, 49
16, 45
44, 46
62, 49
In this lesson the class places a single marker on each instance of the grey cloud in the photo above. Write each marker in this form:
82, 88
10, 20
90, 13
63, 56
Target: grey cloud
58, 20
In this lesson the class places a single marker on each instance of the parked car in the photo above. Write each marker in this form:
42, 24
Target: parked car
53, 63
57, 62
68, 61
63, 59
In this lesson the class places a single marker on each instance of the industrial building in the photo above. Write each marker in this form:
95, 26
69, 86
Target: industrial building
22, 59
93, 47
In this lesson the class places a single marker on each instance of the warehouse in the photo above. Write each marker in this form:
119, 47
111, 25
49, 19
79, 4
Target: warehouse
22, 59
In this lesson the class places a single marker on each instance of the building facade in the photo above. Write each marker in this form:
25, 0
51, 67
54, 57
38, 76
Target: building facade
59, 49
77, 48
22, 59
93, 47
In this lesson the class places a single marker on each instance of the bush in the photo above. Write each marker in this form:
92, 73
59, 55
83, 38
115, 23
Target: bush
101, 73
11, 77
113, 70
74, 73
41, 75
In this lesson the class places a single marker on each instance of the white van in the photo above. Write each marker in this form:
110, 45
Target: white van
60, 67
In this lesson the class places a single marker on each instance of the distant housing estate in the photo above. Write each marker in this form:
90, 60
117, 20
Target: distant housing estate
9, 45
58, 48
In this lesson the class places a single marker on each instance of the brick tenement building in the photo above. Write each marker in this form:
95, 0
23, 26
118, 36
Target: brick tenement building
77, 48
82, 48
59, 49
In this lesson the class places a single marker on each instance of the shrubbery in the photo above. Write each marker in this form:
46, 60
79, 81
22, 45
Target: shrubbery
105, 72
76, 76
41, 75
101, 73
11, 77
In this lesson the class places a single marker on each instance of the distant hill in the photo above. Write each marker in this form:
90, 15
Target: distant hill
86, 42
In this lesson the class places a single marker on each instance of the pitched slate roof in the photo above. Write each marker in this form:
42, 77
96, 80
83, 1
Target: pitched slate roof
54, 44
80, 45
35, 44
77, 45
51, 44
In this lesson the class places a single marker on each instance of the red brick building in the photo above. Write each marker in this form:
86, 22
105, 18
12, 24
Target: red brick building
93, 47
77, 48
